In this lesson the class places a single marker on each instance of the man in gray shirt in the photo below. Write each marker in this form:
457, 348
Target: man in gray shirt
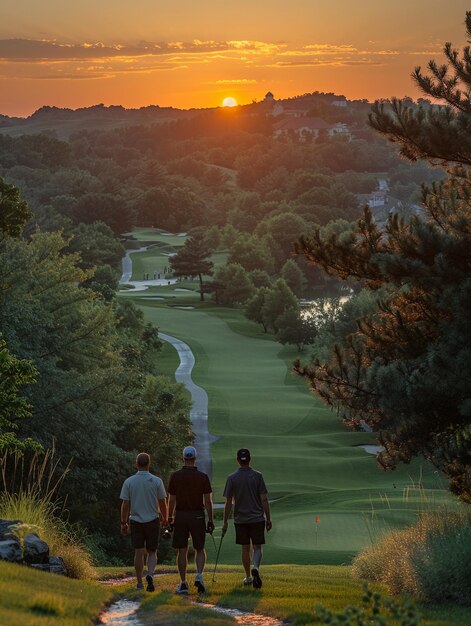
246, 489
142, 496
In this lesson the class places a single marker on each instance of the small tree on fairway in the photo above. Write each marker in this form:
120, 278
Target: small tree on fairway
295, 329
278, 299
193, 260
260, 278
236, 285
254, 307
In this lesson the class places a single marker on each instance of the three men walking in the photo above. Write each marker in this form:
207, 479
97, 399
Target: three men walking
190, 495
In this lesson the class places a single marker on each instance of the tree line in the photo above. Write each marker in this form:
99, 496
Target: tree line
79, 372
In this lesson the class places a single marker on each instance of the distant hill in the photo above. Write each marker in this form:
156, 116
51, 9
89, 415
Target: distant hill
63, 122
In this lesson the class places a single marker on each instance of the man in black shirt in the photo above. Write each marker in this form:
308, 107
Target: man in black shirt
190, 493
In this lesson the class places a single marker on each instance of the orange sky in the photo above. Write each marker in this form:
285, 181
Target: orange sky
194, 53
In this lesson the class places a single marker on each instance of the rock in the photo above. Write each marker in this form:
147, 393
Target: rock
43, 567
10, 550
6, 526
57, 565
35, 550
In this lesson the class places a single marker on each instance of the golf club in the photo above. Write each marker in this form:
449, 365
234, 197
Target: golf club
217, 556
214, 542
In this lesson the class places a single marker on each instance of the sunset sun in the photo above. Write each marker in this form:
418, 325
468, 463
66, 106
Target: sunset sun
229, 102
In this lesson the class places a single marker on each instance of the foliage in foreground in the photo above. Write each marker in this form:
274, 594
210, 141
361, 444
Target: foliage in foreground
375, 609
405, 369
431, 559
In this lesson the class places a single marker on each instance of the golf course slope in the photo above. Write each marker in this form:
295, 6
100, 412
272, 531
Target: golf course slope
313, 466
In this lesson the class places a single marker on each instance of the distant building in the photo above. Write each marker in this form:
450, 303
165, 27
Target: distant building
309, 128
289, 109
339, 103
269, 97
340, 130
304, 127
378, 198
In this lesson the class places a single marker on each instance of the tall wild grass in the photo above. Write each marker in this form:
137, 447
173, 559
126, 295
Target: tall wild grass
30, 494
431, 559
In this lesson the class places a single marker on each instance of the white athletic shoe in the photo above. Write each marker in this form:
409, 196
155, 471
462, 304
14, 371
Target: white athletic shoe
248, 580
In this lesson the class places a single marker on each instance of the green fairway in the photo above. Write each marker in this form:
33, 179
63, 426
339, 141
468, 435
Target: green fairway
154, 260
310, 461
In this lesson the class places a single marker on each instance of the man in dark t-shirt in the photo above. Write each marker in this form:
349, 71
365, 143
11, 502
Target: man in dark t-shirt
190, 494
246, 489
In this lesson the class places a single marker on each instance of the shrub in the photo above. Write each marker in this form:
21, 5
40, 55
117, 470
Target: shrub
30, 495
40, 515
375, 610
431, 559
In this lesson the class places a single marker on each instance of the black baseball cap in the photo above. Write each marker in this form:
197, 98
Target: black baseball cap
243, 455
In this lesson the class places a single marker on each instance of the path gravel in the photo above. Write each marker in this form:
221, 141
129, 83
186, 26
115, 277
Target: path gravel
127, 265
199, 397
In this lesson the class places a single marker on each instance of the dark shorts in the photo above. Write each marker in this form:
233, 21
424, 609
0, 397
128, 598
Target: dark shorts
145, 535
253, 532
189, 523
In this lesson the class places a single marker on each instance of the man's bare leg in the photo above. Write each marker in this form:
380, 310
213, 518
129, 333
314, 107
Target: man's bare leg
139, 556
200, 560
151, 562
257, 559
182, 562
246, 559
257, 556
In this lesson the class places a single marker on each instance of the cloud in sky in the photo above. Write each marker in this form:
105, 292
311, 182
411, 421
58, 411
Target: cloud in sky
44, 59
34, 50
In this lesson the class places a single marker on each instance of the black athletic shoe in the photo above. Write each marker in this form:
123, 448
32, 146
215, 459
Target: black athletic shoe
257, 581
200, 585
182, 588
150, 583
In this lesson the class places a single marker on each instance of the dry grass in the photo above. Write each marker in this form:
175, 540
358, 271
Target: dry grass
40, 515
30, 495
431, 560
